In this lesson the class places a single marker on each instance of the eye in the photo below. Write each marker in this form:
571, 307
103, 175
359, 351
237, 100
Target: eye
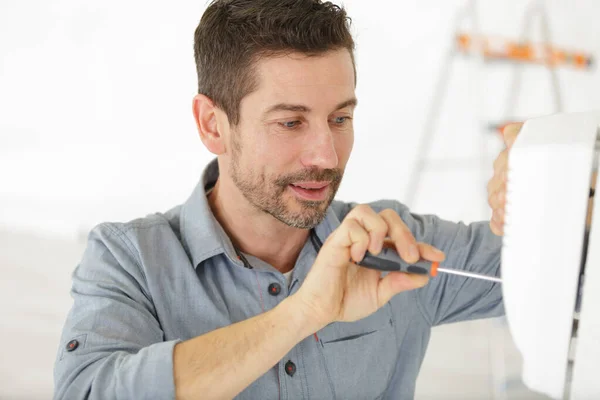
341, 120
290, 124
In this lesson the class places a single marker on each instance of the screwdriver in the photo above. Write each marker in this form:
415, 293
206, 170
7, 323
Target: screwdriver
389, 260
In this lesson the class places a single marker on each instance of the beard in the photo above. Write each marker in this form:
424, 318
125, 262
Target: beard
267, 193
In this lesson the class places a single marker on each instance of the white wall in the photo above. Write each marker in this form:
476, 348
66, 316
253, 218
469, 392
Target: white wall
95, 104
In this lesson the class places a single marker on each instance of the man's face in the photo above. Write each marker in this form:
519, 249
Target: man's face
295, 135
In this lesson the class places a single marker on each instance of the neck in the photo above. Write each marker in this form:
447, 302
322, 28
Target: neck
255, 232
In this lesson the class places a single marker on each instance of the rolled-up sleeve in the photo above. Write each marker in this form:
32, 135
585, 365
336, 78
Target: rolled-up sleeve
469, 247
473, 248
112, 343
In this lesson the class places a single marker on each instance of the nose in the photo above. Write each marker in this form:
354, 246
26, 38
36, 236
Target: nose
319, 149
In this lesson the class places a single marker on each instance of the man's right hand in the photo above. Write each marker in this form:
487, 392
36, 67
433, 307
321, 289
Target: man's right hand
337, 289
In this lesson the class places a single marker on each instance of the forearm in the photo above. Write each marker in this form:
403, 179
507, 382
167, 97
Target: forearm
221, 363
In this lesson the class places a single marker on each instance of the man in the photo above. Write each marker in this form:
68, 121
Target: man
251, 287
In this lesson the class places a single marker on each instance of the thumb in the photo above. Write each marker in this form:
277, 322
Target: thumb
397, 282
510, 133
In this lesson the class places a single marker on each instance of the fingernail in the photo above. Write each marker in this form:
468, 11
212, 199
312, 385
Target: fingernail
413, 251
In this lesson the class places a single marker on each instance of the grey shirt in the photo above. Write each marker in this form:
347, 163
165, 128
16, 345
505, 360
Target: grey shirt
143, 286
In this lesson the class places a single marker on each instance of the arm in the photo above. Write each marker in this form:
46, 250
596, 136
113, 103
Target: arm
121, 353
237, 354
451, 298
474, 247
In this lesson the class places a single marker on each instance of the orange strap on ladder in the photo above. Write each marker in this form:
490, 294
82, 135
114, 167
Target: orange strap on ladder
505, 49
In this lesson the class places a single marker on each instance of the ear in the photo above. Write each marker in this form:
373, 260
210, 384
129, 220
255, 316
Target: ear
205, 114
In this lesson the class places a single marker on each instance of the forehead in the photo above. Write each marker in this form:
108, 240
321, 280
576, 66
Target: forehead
327, 77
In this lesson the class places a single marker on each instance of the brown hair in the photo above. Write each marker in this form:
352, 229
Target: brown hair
233, 34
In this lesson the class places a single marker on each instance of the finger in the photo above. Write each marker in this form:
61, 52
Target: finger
496, 229
497, 225
498, 216
397, 282
500, 166
353, 270
359, 238
501, 161
498, 220
428, 252
497, 199
494, 184
405, 242
373, 224
348, 241
510, 133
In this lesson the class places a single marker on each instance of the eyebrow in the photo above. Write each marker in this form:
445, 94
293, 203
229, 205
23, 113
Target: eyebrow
302, 108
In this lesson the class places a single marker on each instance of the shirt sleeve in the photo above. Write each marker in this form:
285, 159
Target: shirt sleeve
112, 343
475, 248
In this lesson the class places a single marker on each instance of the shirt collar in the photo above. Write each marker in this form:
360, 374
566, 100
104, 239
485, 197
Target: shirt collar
204, 237
201, 233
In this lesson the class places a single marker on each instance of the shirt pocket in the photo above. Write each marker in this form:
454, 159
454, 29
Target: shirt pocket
360, 356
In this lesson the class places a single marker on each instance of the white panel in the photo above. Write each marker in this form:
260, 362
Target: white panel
585, 384
549, 174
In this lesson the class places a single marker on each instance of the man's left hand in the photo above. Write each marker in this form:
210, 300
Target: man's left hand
496, 187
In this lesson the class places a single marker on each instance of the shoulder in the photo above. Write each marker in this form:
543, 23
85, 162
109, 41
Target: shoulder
135, 229
129, 243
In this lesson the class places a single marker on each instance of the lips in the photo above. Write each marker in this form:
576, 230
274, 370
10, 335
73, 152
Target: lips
311, 185
314, 191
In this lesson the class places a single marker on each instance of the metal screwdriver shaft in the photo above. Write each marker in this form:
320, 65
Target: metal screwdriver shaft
469, 274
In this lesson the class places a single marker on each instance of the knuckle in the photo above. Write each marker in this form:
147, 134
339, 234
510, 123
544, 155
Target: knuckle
351, 223
380, 227
362, 210
388, 212
359, 207
392, 218
410, 237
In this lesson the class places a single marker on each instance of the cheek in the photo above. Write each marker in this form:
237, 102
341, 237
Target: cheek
343, 147
278, 150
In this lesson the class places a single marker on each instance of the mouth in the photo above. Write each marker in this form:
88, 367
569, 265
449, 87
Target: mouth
314, 191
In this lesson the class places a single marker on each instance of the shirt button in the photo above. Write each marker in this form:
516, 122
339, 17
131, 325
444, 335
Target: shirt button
72, 345
274, 289
290, 368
